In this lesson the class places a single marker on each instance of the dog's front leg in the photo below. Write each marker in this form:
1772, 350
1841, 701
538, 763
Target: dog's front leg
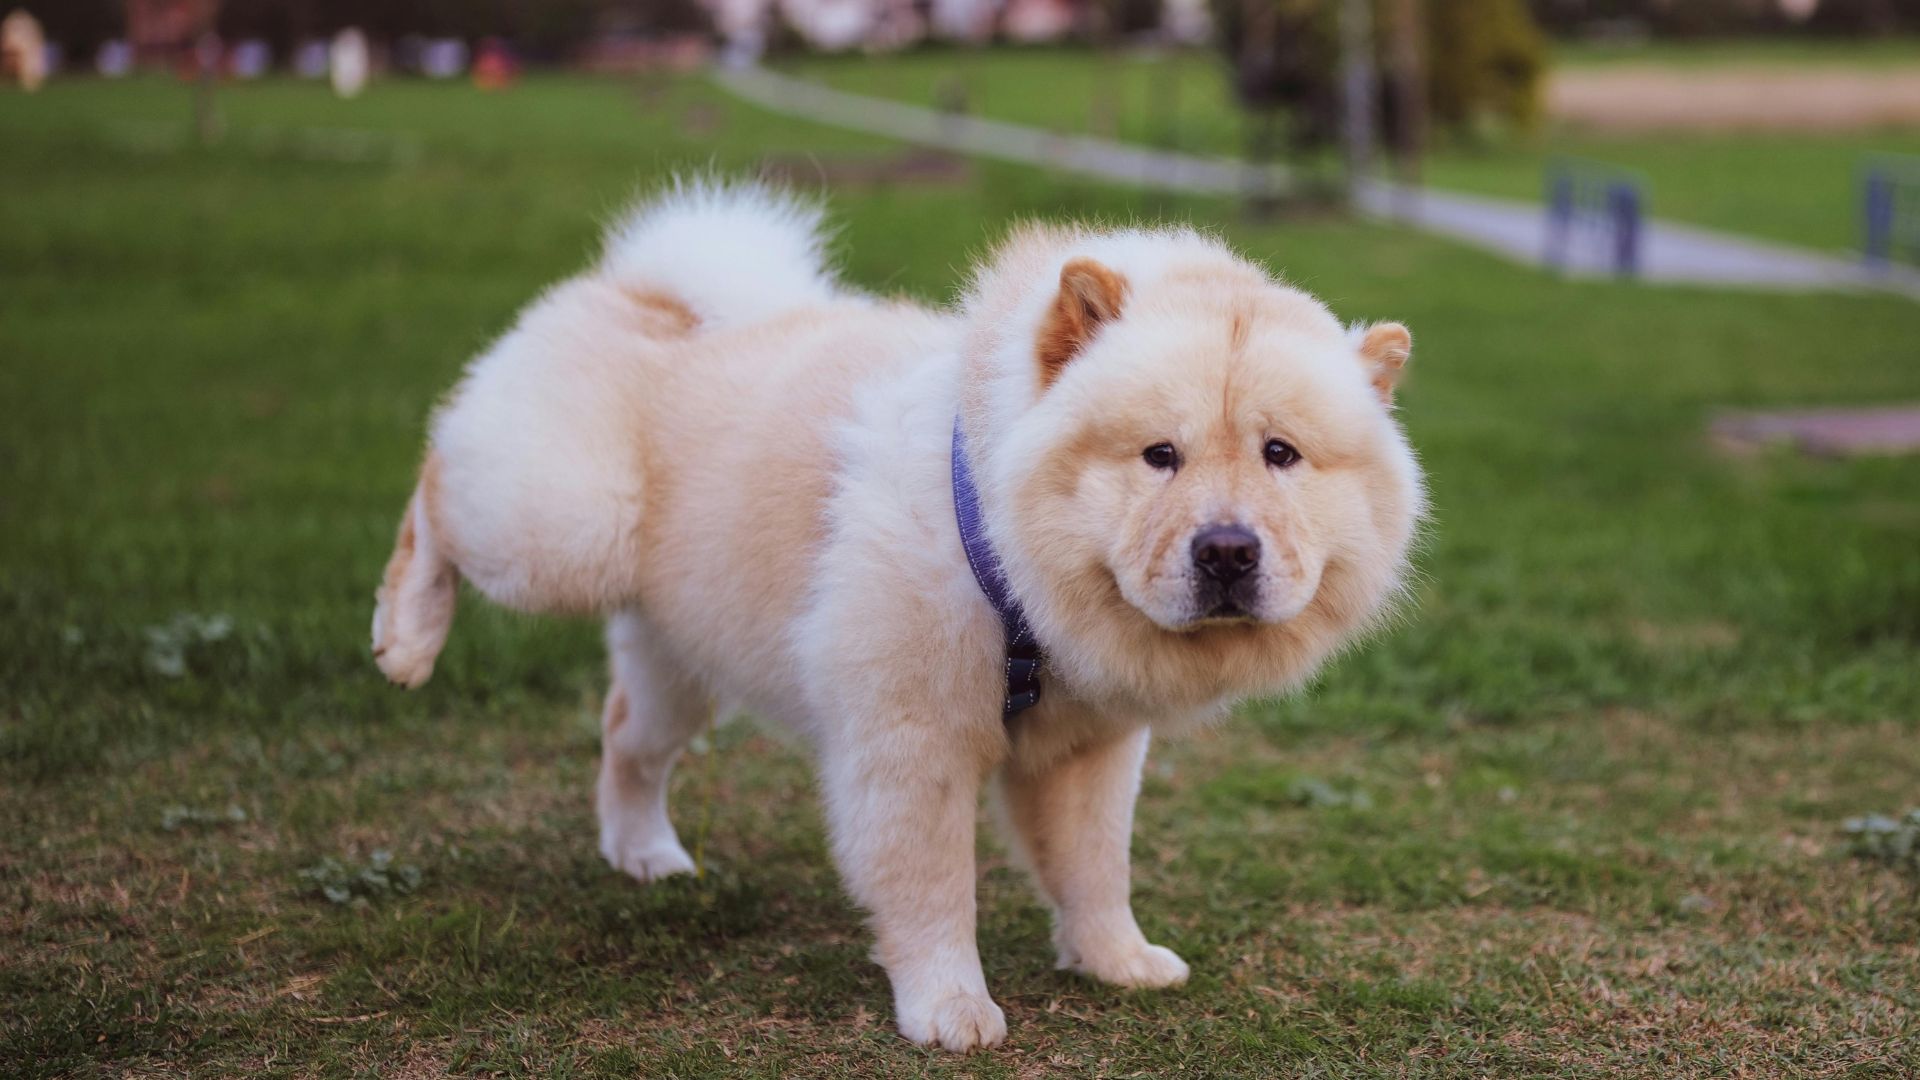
1072, 821
901, 803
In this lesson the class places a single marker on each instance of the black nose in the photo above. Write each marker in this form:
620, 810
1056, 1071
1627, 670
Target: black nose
1226, 553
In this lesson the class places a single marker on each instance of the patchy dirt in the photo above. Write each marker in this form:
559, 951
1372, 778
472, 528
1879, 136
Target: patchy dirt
1629, 99
1824, 432
910, 168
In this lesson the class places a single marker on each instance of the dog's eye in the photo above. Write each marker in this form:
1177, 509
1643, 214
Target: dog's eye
1162, 456
1280, 453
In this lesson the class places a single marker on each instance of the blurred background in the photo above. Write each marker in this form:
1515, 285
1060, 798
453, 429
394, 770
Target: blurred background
1789, 120
1626, 791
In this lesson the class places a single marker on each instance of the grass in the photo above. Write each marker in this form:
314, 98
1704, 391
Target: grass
1796, 188
1174, 98
1580, 815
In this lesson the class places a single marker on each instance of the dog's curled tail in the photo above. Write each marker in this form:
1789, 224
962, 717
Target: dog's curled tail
732, 251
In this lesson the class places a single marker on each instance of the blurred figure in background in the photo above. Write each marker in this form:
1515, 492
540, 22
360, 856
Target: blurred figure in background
114, 59
742, 24
23, 50
312, 58
494, 66
968, 21
348, 62
832, 24
249, 59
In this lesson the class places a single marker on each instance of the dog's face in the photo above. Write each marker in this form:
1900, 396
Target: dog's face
1213, 461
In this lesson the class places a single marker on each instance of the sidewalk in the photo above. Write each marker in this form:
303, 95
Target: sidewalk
1672, 254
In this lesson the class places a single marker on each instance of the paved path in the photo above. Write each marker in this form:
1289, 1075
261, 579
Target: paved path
1671, 253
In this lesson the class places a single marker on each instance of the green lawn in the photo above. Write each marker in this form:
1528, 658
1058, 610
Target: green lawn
1578, 815
1797, 188
1178, 99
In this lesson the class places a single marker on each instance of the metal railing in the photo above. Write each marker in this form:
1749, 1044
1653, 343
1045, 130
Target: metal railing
1596, 217
1890, 210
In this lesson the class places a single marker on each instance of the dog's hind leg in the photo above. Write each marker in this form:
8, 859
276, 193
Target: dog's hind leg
534, 488
653, 710
413, 607
537, 483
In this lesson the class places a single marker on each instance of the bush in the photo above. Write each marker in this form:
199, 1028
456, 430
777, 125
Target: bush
1484, 59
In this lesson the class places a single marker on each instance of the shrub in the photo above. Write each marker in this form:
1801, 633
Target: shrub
1484, 59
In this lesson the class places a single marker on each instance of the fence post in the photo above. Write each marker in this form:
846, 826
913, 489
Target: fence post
1559, 216
1877, 206
1623, 203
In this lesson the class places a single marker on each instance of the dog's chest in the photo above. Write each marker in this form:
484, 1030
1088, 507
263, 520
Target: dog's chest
1061, 724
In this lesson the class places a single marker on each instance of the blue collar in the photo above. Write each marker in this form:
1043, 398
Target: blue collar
1023, 653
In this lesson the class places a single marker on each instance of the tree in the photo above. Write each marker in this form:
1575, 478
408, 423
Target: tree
1479, 61
1485, 61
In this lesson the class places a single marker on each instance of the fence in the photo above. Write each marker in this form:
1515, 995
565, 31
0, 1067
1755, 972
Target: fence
1595, 217
1890, 210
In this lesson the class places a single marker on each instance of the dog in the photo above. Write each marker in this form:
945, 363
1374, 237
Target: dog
1126, 481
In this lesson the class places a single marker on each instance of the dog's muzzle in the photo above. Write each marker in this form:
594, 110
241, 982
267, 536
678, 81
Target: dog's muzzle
1225, 558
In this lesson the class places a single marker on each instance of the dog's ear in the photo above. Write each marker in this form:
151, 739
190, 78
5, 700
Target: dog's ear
1384, 349
1090, 295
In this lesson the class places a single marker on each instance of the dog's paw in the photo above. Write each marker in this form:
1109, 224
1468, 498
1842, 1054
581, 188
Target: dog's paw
405, 666
958, 1022
413, 608
1144, 967
647, 862
403, 650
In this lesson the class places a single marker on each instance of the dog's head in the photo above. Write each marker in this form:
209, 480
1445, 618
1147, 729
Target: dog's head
1193, 472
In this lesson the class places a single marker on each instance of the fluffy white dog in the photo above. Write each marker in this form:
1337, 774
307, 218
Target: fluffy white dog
1128, 481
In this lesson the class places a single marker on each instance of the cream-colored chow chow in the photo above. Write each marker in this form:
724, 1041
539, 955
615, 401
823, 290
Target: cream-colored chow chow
1189, 472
